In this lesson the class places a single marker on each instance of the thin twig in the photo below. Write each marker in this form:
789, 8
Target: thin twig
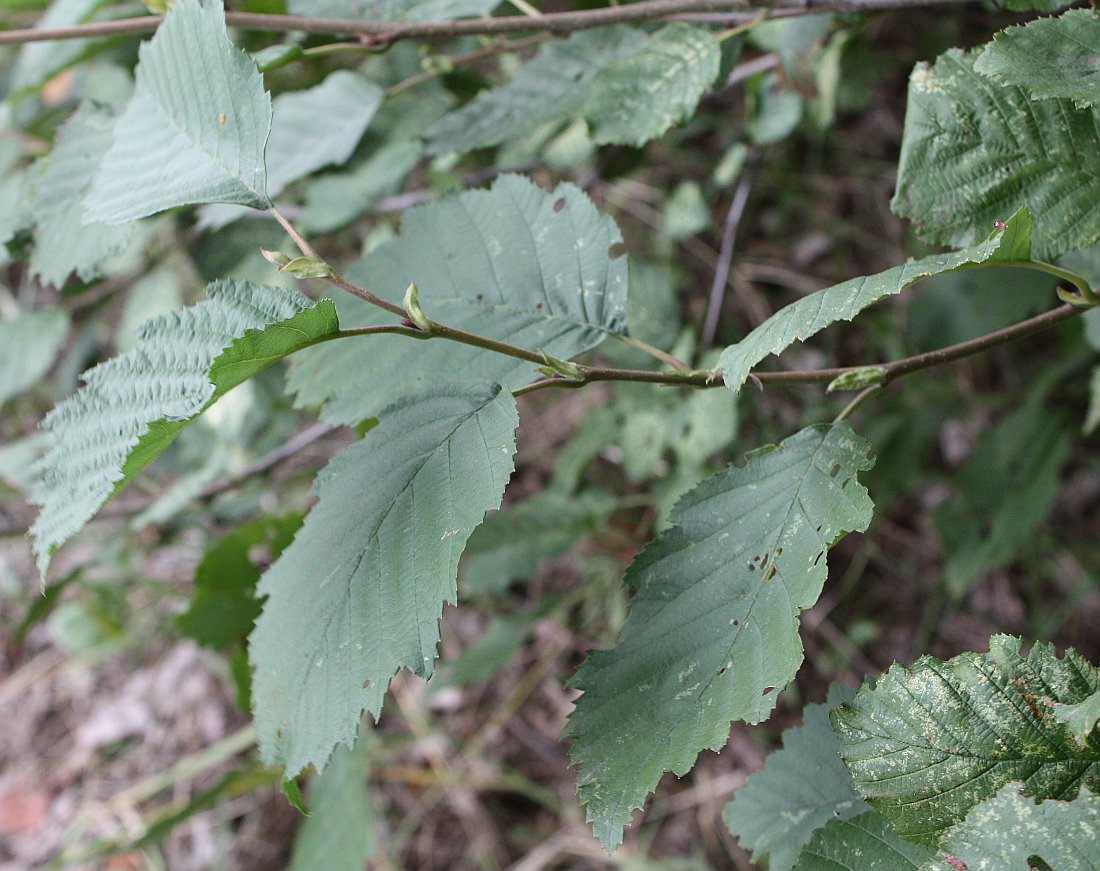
393, 31
725, 256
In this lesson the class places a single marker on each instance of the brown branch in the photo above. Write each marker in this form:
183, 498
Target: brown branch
393, 31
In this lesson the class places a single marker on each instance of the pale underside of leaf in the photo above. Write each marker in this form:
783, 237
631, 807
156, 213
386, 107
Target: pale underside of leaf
515, 263
63, 244
1051, 57
194, 130
931, 741
1003, 833
131, 407
359, 593
803, 786
975, 150
712, 634
39, 61
811, 314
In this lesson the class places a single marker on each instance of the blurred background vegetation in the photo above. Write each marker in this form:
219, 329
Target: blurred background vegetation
123, 685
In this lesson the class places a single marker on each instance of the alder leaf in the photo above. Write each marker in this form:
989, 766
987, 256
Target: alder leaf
337, 835
1081, 717
1050, 57
310, 129
803, 786
29, 342
630, 86
974, 151
931, 741
807, 316
515, 263
1008, 831
56, 185
195, 128
712, 634
131, 407
644, 93
359, 593
866, 843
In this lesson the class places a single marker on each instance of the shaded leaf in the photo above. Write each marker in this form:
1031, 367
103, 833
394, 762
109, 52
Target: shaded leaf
980, 529
359, 593
39, 61
56, 185
713, 628
1051, 57
194, 130
802, 318
1007, 831
131, 407
974, 151
644, 93
866, 843
1092, 417
515, 263
224, 604
931, 741
803, 786
510, 544
29, 342
337, 835
551, 88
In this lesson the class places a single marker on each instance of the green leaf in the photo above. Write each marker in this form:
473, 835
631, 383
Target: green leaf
311, 129
224, 604
551, 88
336, 199
1050, 57
805, 317
131, 407
974, 151
515, 263
510, 544
194, 130
1008, 831
866, 843
39, 61
394, 10
657, 85
56, 186
803, 786
338, 834
1092, 417
713, 628
1081, 717
933, 740
29, 342
359, 593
